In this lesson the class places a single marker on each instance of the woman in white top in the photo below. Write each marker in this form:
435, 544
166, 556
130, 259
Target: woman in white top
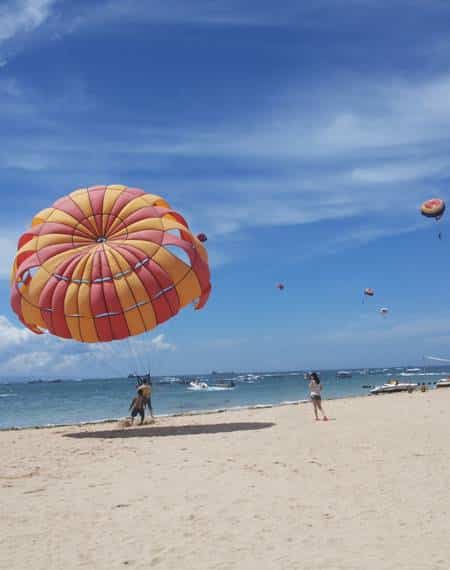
315, 388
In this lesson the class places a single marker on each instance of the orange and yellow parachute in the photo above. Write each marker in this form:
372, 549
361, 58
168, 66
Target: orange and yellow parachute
101, 264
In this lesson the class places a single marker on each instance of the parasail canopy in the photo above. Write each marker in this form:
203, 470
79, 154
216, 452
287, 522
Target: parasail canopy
383, 311
369, 292
433, 208
105, 263
280, 286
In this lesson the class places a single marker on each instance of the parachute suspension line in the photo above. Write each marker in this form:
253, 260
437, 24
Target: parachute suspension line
150, 361
135, 357
117, 373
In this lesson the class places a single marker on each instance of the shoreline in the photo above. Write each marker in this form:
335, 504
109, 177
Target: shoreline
191, 413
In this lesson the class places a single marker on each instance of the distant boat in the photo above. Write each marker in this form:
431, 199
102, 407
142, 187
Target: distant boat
224, 384
197, 385
413, 369
343, 374
394, 386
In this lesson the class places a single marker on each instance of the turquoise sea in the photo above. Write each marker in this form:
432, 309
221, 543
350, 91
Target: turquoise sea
40, 403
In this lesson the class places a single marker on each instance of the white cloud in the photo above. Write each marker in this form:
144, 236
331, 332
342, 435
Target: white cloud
379, 329
26, 362
401, 171
11, 335
22, 16
159, 344
8, 248
333, 153
23, 352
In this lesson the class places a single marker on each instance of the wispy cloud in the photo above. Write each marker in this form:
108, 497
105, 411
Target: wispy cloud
8, 248
23, 16
159, 344
429, 328
23, 352
324, 154
11, 335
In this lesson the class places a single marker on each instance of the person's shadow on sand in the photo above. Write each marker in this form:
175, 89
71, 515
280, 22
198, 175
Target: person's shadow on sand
165, 431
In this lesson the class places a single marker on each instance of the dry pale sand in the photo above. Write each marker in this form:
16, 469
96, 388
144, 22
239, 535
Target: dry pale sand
265, 488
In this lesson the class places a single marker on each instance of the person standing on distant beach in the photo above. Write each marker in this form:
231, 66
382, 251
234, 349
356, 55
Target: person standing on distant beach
315, 388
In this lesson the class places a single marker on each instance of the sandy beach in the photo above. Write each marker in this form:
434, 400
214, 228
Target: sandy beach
262, 488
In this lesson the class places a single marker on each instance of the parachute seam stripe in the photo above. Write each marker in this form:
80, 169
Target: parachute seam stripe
114, 254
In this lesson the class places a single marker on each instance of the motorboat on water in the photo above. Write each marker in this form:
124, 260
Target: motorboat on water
198, 385
343, 374
394, 386
410, 370
443, 383
224, 384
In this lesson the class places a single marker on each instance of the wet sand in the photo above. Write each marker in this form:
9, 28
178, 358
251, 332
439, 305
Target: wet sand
264, 488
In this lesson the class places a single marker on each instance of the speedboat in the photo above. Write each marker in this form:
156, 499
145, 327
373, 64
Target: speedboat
443, 383
197, 385
343, 374
409, 370
224, 384
394, 386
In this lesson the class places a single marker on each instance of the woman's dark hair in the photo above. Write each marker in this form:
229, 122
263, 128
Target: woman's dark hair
315, 377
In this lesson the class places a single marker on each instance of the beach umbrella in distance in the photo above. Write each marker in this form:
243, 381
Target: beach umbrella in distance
384, 311
202, 237
368, 292
105, 263
280, 286
433, 208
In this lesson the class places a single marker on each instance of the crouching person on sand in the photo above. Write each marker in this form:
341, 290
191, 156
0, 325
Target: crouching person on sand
137, 406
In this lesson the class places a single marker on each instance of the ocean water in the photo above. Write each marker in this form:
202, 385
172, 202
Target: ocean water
76, 401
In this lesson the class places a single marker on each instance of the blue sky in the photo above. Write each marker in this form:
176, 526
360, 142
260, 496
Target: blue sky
300, 137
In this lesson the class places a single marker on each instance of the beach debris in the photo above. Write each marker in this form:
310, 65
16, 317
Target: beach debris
35, 471
126, 422
106, 263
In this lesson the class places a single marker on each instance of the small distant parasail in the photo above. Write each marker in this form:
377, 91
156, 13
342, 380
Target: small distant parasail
202, 237
383, 311
433, 208
280, 286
